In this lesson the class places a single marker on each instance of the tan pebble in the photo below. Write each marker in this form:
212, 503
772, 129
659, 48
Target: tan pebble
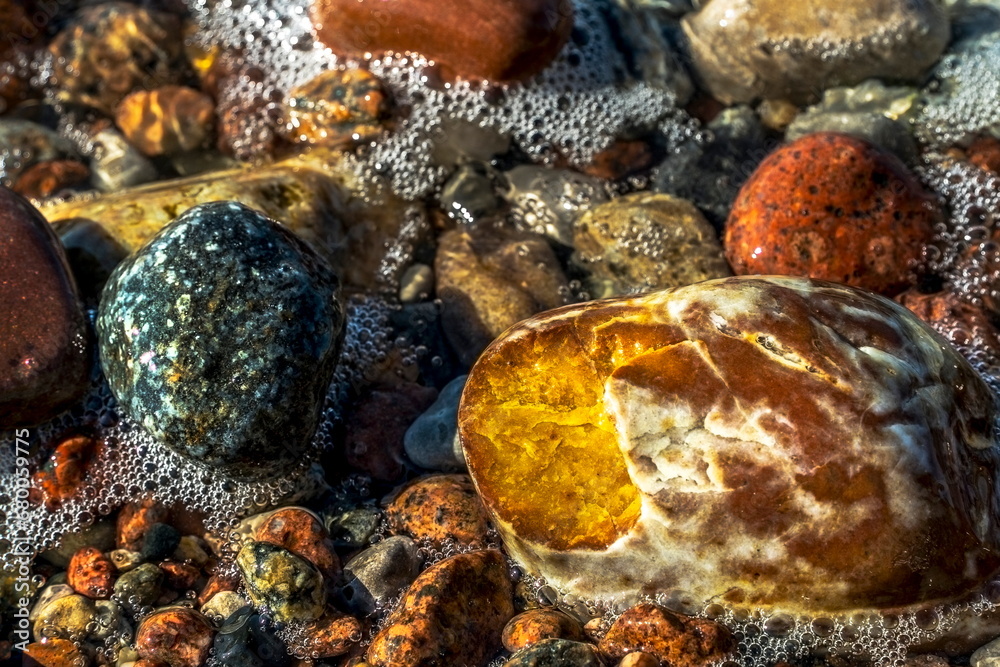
165, 121
640, 659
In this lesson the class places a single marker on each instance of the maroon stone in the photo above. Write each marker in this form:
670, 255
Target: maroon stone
43, 338
474, 39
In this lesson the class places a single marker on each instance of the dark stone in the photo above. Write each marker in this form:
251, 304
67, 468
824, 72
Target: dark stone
161, 540
220, 338
245, 640
556, 653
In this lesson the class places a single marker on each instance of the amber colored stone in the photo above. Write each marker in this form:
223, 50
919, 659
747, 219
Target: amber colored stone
534, 625
54, 653
332, 635
168, 120
62, 476
91, 573
734, 413
834, 207
178, 636
439, 509
452, 614
43, 339
678, 641
984, 152
300, 532
373, 442
337, 106
179, 576
135, 519
472, 39
45, 179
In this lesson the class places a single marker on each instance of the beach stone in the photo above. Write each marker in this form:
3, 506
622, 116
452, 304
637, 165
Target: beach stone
191, 549
108, 50
100, 534
222, 605
353, 528
337, 106
379, 573
468, 195
179, 576
91, 573
52, 178
834, 207
645, 241
217, 582
55, 652
987, 655
44, 356
51, 592
332, 635
430, 442
303, 534
276, 345
246, 640
488, 279
690, 483
452, 614
139, 587
439, 509
639, 659
115, 166
125, 560
135, 519
375, 433
289, 586
168, 120
523, 36
159, 541
535, 625
556, 653
65, 617
682, 641
24, 143
747, 49
66, 470
548, 201
177, 636
109, 620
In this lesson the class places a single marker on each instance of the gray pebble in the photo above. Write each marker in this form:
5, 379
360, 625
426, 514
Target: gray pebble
379, 573
431, 441
987, 655
118, 165
353, 528
556, 653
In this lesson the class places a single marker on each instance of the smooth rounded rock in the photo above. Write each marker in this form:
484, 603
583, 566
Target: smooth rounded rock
66, 617
44, 359
834, 207
167, 120
223, 293
177, 636
535, 625
472, 39
337, 106
91, 573
679, 641
289, 586
302, 533
430, 441
556, 653
773, 442
139, 587
747, 49
380, 573
439, 509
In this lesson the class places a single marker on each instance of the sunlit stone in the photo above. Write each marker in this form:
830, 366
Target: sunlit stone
771, 442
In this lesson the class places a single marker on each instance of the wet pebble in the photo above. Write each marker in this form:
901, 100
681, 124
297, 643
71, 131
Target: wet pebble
177, 636
245, 639
24, 143
303, 534
468, 195
44, 353
67, 617
439, 509
218, 582
379, 573
168, 120
680, 641
987, 655
66, 471
109, 621
55, 652
489, 279
431, 442
192, 549
640, 659
91, 573
337, 106
289, 586
53, 178
375, 434
524, 36
646, 241
354, 527
135, 520
535, 625
332, 635
452, 614
548, 201
834, 207
556, 653
745, 49
222, 605
159, 541
117, 164
140, 587
277, 343
51, 592
125, 560
179, 576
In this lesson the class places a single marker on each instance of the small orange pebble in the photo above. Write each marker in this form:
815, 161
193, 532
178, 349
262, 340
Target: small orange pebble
91, 573
833, 207
66, 470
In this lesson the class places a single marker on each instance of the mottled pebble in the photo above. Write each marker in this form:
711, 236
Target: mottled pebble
452, 614
54, 178
337, 106
680, 641
177, 636
50, 593
55, 652
524, 36
222, 605
65, 471
135, 519
960, 322
290, 587
534, 625
117, 164
91, 573
218, 581
67, 617
548, 201
276, 345
125, 560
439, 509
24, 143
430, 442
834, 207
167, 120
191, 549
379, 573
556, 653
302, 533
332, 635
353, 528
139, 587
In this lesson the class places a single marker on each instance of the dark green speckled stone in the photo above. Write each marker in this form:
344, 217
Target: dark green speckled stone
220, 338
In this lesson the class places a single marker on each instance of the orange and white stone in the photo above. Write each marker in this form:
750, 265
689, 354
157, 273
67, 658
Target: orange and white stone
770, 442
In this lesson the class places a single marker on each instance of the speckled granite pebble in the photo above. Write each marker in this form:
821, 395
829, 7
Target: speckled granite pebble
220, 338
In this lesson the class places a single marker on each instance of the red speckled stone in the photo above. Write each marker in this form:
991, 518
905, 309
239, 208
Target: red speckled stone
678, 641
65, 471
178, 636
91, 573
474, 39
43, 341
300, 532
534, 625
135, 519
439, 509
833, 207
